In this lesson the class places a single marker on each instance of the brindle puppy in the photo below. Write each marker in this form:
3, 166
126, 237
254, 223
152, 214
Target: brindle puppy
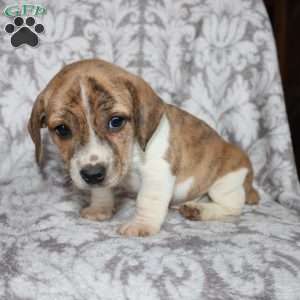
113, 130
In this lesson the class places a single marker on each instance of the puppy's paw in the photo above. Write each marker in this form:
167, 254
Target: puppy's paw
190, 211
96, 214
137, 229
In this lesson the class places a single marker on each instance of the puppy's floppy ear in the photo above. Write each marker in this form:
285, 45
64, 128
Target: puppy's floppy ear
147, 108
35, 123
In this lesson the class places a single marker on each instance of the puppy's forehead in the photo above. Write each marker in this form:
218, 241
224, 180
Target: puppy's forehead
103, 74
99, 92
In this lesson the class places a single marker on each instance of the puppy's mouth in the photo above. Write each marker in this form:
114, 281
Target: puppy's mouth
94, 177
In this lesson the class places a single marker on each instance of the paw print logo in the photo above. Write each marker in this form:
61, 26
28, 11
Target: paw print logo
22, 34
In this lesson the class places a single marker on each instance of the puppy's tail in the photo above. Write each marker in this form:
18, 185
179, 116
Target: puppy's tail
252, 196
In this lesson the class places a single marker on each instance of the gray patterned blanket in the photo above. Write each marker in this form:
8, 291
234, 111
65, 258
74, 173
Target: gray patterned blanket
214, 58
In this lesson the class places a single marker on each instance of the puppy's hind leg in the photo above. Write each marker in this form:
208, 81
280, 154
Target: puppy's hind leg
227, 195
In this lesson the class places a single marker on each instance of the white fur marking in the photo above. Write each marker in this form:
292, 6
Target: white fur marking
182, 189
133, 178
228, 183
228, 196
157, 183
159, 142
93, 147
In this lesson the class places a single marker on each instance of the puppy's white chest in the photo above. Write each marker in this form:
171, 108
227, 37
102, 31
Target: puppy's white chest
133, 179
133, 182
148, 167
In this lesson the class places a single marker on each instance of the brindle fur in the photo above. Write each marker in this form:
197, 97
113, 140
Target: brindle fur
195, 148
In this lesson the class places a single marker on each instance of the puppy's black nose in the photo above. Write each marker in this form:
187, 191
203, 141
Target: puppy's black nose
93, 174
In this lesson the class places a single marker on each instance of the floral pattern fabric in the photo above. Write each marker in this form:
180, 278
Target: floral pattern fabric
215, 59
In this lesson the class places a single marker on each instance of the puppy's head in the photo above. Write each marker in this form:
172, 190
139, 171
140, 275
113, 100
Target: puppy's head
95, 112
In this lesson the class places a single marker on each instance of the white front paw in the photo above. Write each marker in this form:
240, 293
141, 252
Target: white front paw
96, 213
134, 228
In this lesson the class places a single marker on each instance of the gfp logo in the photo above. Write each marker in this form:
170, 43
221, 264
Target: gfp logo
24, 10
23, 29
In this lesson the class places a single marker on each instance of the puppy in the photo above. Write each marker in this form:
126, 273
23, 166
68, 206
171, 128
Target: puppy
113, 130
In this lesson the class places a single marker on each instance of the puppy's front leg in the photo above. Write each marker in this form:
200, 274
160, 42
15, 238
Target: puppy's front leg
101, 207
152, 201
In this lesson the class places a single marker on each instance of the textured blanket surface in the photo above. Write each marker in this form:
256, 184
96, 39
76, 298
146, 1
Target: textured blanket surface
214, 58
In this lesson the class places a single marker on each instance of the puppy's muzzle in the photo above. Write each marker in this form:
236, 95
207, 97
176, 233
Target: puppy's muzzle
93, 174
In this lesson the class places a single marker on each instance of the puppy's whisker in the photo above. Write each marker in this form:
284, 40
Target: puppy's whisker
67, 179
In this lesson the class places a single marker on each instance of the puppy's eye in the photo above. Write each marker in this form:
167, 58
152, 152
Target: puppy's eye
63, 131
116, 123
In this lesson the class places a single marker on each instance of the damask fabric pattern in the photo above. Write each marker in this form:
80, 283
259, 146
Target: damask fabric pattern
214, 58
